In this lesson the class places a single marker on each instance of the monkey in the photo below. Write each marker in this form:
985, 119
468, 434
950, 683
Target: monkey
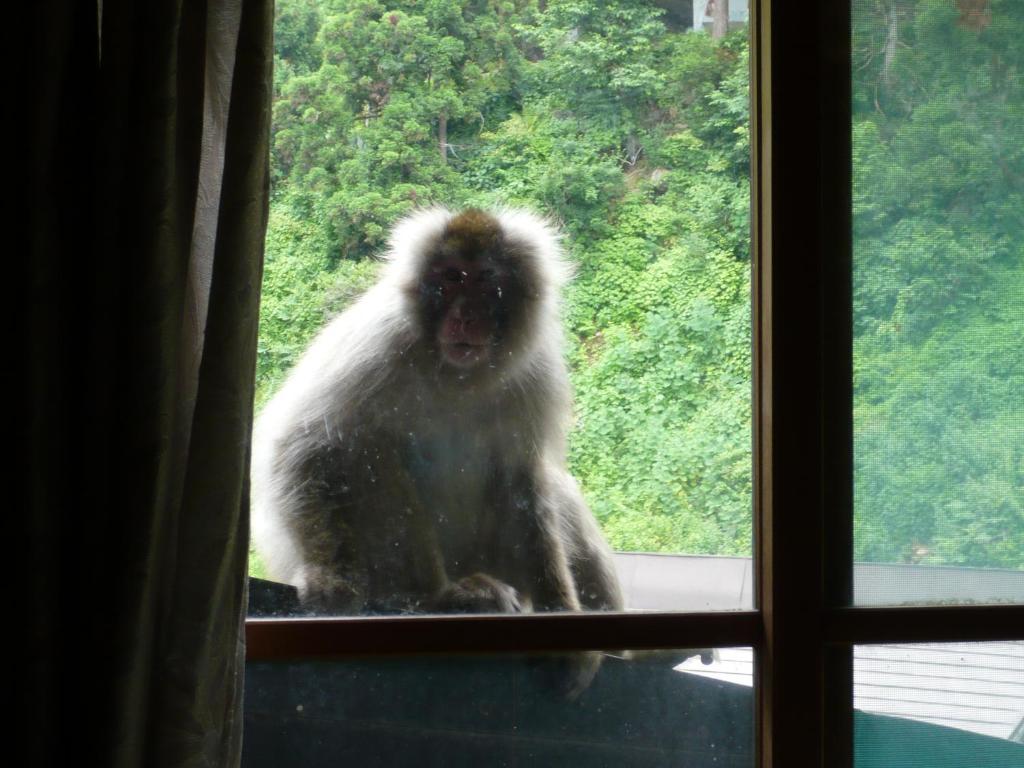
415, 459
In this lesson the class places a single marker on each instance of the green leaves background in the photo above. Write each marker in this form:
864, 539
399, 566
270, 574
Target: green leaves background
634, 135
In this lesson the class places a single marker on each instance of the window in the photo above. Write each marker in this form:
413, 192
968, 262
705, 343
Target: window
938, 426
810, 640
627, 125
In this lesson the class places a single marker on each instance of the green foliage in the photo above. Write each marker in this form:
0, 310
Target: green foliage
632, 136
940, 436
397, 97
302, 288
938, 151
636, 138
662, 442
548, 164
599, 61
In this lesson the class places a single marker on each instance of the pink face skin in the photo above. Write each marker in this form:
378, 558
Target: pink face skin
468, 291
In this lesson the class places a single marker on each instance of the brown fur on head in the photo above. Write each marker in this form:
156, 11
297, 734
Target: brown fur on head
471, 233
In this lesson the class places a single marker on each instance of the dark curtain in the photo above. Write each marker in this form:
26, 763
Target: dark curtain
141, 178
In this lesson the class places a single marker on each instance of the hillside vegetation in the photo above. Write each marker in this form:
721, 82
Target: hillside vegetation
633, 134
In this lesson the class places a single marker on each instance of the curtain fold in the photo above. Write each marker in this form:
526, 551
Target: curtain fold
146, 184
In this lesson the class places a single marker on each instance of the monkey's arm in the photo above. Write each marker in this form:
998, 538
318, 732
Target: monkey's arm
309, 532
342, 522
591, 559
532, 555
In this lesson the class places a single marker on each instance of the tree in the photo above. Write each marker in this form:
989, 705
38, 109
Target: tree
939, 257
719, 18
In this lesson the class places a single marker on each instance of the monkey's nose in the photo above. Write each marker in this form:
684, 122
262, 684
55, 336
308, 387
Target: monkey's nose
464, 316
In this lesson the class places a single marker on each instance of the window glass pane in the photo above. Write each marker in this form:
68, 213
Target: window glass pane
430, 435
954, 704
492, 711
938, 164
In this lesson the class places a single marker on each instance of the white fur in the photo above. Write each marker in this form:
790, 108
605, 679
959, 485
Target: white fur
364, 374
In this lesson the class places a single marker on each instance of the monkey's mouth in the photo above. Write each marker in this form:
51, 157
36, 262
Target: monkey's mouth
464, 354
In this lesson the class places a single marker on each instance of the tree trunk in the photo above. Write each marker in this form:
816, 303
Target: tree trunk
719, 18
442, 136
974, 14
892, 39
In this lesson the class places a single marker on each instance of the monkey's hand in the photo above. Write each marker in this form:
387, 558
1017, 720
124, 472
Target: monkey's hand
478, 593
323, 590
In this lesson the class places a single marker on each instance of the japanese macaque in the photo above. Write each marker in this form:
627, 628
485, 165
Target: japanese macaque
415, 459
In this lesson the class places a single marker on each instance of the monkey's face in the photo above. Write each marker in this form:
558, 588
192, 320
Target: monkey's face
468, 304
476, 291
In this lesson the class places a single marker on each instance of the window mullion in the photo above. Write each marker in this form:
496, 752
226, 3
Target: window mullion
918, 624
802, 352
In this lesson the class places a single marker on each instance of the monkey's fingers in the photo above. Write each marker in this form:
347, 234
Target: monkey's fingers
323, 591
478, 593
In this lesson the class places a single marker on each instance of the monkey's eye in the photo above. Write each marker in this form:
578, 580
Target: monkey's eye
453, 275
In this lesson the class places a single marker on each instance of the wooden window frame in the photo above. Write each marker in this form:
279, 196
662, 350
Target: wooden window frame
804, 628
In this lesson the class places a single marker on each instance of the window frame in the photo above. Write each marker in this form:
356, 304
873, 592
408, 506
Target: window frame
804, 626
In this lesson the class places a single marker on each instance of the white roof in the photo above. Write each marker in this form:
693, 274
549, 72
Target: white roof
977, 687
